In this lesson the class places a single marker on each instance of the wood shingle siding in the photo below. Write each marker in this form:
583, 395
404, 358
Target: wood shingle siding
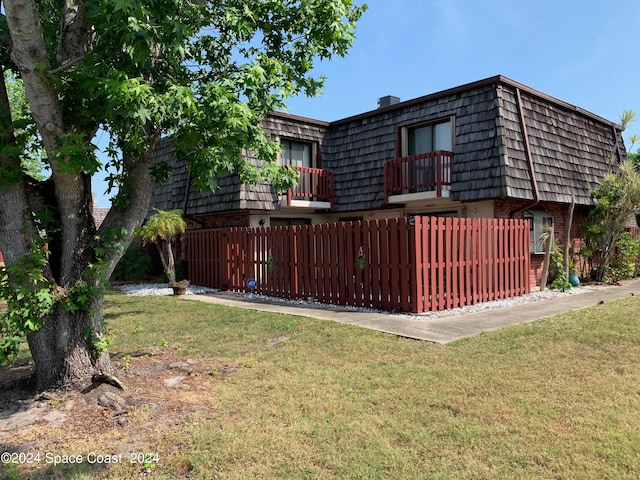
171, 195
570, 150
231, 195
502, 132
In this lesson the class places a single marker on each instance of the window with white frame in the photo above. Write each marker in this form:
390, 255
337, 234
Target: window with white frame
538, 223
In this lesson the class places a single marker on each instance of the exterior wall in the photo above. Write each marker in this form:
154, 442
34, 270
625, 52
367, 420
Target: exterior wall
263, 219
219, 220
355, 149
480, 209
560, 213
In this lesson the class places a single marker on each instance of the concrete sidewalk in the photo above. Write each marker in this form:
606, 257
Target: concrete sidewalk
438, 330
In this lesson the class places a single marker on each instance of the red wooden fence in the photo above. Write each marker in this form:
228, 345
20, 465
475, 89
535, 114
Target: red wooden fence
417, 265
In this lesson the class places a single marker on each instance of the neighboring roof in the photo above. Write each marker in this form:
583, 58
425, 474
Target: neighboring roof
99, 214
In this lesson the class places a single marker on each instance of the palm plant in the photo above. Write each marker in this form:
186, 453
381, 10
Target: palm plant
161, 228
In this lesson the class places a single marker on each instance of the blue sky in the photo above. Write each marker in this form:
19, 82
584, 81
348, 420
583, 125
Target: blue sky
583, 52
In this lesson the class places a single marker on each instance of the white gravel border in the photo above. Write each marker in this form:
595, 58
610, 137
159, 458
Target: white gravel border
149, 289
159, 289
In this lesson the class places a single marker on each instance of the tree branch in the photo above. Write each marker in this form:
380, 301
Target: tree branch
73, 33
67, 65
29, 53
140, 183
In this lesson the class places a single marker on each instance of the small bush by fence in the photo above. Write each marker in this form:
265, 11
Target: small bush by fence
417, 265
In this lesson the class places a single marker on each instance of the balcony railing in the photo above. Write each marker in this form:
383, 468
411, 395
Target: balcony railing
315, 185
426, 172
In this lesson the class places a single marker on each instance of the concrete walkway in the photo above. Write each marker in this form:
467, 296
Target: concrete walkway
438, 330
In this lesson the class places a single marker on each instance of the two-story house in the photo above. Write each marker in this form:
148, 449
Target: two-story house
492, 148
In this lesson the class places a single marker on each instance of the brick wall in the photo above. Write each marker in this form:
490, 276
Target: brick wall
560, 212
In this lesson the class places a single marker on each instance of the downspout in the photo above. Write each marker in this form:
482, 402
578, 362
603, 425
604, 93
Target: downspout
186, 193
527, 152
186, 200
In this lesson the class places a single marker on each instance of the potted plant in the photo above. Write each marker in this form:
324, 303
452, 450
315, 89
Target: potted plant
161, 228
180, 287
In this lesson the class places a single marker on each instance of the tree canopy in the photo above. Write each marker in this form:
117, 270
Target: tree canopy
205, 73
617, 203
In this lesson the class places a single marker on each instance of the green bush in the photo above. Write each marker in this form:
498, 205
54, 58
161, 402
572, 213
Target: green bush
558, 272
134, 265
625, 260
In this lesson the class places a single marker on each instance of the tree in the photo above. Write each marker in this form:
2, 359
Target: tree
27, 143
204, 72
625, 118
161, 227
617, 202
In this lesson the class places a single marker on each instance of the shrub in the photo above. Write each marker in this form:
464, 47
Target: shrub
625, 260
134, 265
558, 272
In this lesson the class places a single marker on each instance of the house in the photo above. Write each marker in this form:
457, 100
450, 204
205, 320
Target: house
491, 148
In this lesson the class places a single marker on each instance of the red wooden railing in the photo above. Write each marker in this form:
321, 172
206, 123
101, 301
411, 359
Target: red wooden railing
418, 173
417, 265
315, 184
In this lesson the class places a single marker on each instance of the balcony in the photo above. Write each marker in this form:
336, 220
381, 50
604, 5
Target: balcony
314, 190
419, 177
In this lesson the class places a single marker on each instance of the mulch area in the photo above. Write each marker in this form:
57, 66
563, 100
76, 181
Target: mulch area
163, 389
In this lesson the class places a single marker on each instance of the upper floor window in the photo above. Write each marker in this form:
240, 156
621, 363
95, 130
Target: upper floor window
427, 138
297, 154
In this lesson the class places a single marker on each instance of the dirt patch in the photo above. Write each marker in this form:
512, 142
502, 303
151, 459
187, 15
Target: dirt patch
162, 390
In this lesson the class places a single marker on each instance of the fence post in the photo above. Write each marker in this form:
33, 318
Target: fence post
417, 294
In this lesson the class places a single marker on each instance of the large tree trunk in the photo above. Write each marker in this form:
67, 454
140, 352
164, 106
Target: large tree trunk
63, 353
64, 349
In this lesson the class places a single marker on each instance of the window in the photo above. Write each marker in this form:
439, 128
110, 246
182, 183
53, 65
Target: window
538, 221
428, 138
419, 170
296, 154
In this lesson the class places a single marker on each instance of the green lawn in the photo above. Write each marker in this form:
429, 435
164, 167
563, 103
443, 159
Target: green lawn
556, 399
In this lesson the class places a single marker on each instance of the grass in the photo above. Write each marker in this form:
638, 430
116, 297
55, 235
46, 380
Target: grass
552, 399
